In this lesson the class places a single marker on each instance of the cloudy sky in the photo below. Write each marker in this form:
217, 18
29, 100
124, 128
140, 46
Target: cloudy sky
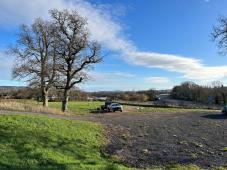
146, 44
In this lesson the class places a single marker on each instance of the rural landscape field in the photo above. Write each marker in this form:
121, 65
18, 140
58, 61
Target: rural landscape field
171, 138
113, 85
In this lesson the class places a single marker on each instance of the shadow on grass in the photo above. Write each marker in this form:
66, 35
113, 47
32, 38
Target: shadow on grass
41, 143
97, 111
215, 116
23, 157
26, 150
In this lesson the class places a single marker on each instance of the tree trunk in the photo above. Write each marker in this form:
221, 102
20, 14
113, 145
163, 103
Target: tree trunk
224, 99
45, 97
65, 100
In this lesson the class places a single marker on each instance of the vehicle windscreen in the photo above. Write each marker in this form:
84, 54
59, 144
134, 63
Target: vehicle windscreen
115, 104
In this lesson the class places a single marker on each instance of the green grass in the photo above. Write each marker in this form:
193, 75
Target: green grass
85, 108
78, 107
42, 143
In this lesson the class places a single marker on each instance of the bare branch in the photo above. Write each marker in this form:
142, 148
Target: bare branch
219, 35
76, 53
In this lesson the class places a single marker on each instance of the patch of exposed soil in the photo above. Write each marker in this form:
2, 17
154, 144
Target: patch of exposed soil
146, 140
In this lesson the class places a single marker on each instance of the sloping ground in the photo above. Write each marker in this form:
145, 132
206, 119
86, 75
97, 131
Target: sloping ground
148, 140
139, 140
40, 143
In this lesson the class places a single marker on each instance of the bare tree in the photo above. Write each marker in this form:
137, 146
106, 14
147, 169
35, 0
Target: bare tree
219, 35
35, 56
77, 54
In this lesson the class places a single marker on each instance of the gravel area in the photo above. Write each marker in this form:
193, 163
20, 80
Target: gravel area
161, 139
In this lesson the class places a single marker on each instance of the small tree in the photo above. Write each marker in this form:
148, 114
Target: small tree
76, 52
35, 57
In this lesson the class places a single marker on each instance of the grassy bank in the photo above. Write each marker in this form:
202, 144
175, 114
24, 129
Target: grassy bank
38, 142
26, 106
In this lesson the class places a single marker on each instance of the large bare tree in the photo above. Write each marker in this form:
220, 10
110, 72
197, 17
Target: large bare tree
35, 56
77, 54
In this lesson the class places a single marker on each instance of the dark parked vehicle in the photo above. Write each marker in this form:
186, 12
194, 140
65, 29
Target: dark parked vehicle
104, 108
111, 107
224, 110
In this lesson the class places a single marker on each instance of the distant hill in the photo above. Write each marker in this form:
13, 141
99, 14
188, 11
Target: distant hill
12, 87
7, 90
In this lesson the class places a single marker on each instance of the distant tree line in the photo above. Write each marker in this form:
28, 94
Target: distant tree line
55, 94
34, 93
216, 93
142, 96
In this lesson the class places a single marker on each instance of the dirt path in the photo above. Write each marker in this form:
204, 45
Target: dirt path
145, 140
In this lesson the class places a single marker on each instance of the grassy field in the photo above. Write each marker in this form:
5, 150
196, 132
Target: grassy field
39, 142
78, 107
75, 107
26, 106
84, 107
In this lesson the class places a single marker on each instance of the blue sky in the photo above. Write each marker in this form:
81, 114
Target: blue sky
147, 44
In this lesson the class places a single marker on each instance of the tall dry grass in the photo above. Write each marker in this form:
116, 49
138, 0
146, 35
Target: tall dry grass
26, 106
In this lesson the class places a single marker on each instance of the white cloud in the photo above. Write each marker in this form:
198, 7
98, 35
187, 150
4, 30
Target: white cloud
109, 32
5, 65
15, 12
191, 68
125, 81
105, 78
121, 74
115, 81
157, 80
102, 25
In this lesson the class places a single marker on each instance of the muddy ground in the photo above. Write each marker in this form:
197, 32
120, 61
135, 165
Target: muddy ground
147, 140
